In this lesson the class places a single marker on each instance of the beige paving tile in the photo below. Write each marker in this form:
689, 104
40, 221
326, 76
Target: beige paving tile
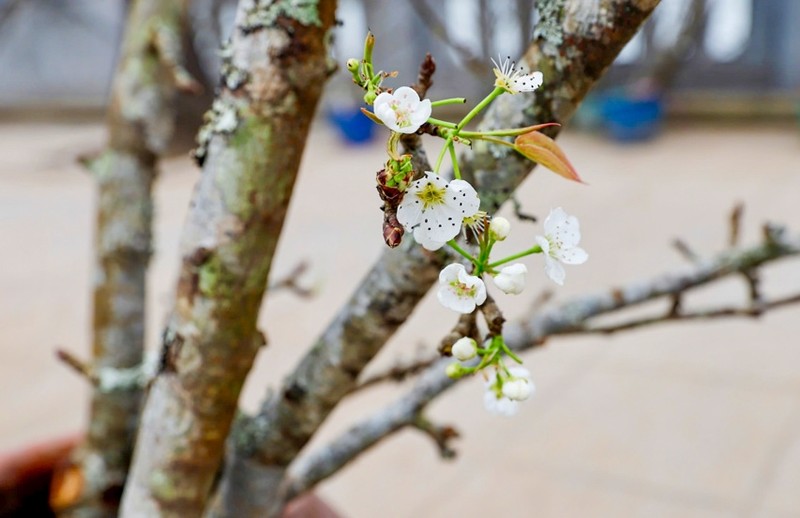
782, 494
512, 490
675, 434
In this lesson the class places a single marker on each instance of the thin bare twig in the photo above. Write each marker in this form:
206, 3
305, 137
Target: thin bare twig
523, 216
735, 224
425, 75
685, 250
397, 373
707, 314
434, 24
441, 435
81, 367
289, 282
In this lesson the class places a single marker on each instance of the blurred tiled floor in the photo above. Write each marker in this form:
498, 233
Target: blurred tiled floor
682, 420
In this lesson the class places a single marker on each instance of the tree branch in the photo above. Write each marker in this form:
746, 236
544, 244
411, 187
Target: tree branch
140, 125
572, 54
430, 18
707, 314
567, 318
250, 148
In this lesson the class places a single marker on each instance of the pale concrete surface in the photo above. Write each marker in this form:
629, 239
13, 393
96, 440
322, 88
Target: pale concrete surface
682, 420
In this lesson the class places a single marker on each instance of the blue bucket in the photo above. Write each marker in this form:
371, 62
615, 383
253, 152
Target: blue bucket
632, 119
353, 126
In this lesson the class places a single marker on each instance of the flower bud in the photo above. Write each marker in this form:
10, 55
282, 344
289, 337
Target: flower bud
499, 228
464, 349
517, 389
352, 65
511, 279
455, 370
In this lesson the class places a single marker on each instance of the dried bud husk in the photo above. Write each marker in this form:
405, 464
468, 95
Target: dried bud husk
392, 229
391, 195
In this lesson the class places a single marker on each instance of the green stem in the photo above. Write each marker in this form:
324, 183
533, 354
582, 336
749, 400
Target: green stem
454, 160
447, 143
444, 124
479, 107
445, 102
497, 141
509, 352
391, 146
535, 250
462, 252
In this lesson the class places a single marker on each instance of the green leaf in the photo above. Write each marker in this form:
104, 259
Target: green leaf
543, 150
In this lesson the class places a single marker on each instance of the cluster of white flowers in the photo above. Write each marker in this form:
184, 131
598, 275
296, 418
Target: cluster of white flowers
462, 292
434, 211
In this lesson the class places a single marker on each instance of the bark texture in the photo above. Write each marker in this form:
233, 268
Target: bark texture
250, 148
573, 45
140, 124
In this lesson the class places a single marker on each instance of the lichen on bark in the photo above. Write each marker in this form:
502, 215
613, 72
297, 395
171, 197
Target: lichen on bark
140, 124
252, 152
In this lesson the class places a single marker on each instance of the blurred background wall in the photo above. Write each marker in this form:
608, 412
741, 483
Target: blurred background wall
62, 53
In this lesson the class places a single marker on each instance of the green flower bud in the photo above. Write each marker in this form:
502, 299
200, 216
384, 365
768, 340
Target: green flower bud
455, 370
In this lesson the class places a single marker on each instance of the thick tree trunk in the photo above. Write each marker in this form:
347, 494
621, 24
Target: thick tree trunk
251, 146
140, 124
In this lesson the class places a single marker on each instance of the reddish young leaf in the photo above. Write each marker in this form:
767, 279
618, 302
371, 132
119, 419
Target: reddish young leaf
543, 150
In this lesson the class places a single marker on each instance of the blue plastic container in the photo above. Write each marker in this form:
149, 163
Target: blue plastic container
632, 119
353, 126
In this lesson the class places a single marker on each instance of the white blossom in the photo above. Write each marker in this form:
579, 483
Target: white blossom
518, 389
499, 228
513, 79
402, 111
464, 349
434, 209
560, 244
511, 279
505, 391
459, 290
499, 405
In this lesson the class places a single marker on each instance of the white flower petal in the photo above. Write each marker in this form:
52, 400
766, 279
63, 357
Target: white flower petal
450, 300
518, 371
511, 279
554, 270
556, 218
422, 113
409, 212
429, 244
544, 244
440, 223
450, 272
402, 111
406, 95
500, 228
500, 406
518, 389
462, 197
573, 255
458, 290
